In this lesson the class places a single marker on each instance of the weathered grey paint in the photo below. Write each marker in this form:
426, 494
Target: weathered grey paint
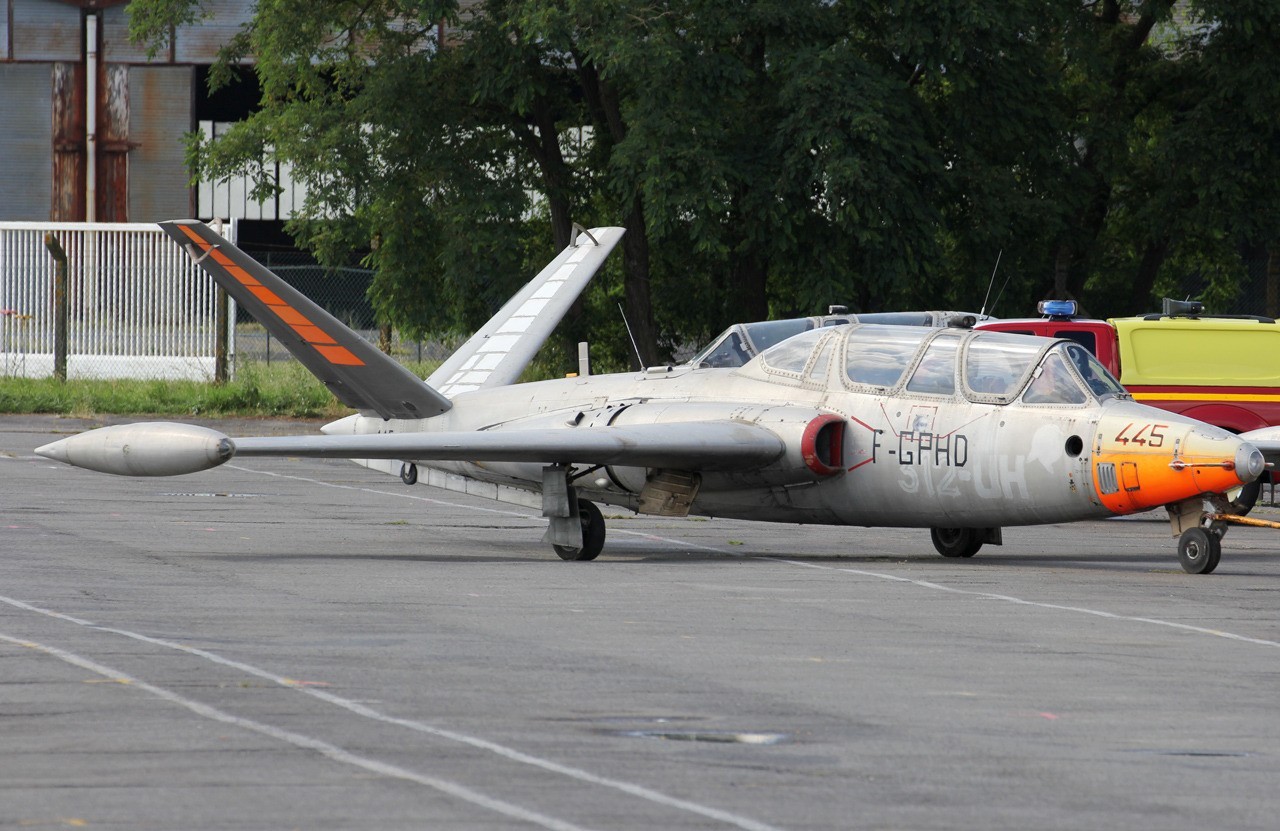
46, 30
160, 114
26, 137
201, 43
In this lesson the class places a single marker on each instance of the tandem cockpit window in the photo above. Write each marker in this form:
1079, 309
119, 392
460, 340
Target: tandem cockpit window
936, 372
792, 354
877, 356
996, 365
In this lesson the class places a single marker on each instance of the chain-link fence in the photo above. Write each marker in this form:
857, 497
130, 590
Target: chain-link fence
340, 291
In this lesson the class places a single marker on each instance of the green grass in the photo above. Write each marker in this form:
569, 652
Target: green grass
280, 390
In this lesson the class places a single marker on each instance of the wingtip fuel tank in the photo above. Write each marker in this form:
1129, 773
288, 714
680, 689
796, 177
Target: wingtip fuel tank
155, 449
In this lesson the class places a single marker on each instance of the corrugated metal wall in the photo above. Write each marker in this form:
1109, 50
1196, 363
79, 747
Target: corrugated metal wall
200, 43
45, 31
144, 108
26, 136
116, 47
160, 113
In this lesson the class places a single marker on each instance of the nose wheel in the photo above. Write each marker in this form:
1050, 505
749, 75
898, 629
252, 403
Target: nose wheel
1199, 550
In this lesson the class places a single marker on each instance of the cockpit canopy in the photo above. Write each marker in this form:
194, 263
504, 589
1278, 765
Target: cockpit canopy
990, 367
743, 341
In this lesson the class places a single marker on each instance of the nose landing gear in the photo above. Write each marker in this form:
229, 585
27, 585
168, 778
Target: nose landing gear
1199, 550
1199, 525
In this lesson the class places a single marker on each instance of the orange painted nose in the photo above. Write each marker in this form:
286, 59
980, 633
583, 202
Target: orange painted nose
1139, 464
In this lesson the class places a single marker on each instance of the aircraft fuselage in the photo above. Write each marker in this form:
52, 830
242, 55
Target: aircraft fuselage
909, 461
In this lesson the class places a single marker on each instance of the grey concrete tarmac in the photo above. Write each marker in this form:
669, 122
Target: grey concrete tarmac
309, 644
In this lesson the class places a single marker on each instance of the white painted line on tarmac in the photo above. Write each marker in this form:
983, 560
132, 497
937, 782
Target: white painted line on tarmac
300, 741
1199, 630
366, 711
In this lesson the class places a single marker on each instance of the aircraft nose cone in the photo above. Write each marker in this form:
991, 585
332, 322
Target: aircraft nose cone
1249, 463
1148, 458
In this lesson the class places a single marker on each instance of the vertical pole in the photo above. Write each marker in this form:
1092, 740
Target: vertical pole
1273, 280
59, 307
91, 118
220, 374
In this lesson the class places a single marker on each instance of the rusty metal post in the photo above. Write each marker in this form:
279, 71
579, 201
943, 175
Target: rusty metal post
59, 307
220, 369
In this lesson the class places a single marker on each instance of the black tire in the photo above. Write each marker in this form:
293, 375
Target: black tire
408, 473
1247, 498
592, 534
1199, 551
956, 542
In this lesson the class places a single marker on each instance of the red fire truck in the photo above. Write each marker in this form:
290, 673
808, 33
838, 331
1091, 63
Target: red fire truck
1220, 369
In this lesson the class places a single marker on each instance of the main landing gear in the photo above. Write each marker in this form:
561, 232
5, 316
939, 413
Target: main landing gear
592, 522
963, 542
575, 527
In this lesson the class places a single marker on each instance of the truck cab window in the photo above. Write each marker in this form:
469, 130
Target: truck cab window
1089, 340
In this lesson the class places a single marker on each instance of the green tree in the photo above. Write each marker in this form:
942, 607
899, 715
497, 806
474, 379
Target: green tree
767, 157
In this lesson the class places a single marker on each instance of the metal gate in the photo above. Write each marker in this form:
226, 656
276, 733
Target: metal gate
137, 306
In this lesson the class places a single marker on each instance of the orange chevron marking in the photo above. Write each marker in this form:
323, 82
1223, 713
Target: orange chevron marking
293, 317
312, 335
268, 296
242, 275
338, 355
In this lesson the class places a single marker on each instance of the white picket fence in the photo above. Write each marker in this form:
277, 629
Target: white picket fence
137, 306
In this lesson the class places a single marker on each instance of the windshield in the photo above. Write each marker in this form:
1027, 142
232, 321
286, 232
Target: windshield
766, 333
728, 350
1054, 383
743, 341
1101, 382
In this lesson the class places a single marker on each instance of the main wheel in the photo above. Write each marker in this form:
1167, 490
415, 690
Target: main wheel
592, 534
1199, 551
408, 473
956, 542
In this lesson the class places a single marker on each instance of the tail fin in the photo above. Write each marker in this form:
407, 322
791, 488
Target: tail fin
357, 373
500, 351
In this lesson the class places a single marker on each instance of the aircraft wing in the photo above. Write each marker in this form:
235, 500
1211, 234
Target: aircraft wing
357, 373
497, 354
1267, 440
711, 445
168, 449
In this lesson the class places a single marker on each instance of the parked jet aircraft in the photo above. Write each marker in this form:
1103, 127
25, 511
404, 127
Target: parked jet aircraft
962, 432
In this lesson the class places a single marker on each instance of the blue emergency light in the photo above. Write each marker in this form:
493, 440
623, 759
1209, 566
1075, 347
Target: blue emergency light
1057, 308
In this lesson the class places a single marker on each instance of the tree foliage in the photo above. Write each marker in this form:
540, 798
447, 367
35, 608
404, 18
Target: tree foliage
766, 156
